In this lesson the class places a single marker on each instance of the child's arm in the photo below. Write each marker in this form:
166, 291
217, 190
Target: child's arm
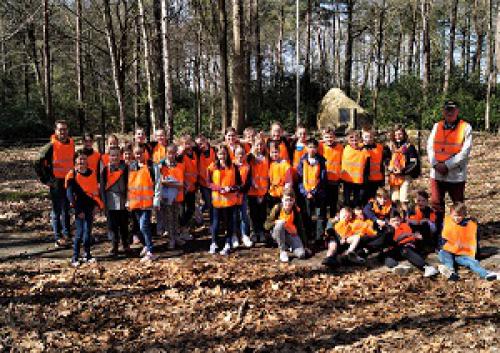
270, 220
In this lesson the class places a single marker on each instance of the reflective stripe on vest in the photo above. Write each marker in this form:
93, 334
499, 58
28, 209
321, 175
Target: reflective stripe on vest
140, 189
311, 175
353, 165
277, 177
333, 156
62, 157
460, 240
176, 172
448, 143
224, 178
260, 177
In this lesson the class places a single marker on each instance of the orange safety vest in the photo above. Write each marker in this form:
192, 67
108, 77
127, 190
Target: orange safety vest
247, 146
140, 189
223, 178
112, 177
344, 228
297, 155
376, 155
260, 177
203, 164
93, 161
63, 155
353, 165
419, 215
461, 241
448, 143
87, 183
311, 175
289, 221
403, 234
176, 172
363, 227
333, 156
381, 211
283, 150
190, 171
277, 177
243, 169
398, 161
159, 153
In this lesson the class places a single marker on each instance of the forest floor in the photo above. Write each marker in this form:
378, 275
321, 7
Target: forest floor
191, 301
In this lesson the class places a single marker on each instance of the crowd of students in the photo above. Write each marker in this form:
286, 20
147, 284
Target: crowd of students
264, 188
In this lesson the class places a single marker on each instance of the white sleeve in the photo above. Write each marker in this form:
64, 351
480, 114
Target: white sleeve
430, 146
157, 195
463, 155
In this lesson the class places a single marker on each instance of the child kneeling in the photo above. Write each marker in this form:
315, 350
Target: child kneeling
287, 228
459, 245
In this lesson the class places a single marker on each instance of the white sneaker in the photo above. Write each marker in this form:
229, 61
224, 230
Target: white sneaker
143, 251
213, 248
246, 241
445, 271
226, 250
149, 257
284, 256
491, 276
75, 263
235, 241
430, 271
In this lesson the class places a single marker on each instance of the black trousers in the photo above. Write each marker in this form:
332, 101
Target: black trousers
258, 213
118, 227
332, 198
188, 209
409, 253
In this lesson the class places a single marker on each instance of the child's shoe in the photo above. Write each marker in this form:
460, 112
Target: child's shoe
89, 259
329, 261
213, 248
226, 250
354, 258
491, 276
149, 257
430, 271
284, 256
234, 241
60, 243
390, 262
246, 241
75, 262
143, 251
448, 273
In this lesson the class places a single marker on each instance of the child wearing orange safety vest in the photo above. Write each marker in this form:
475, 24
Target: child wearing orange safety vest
285, 222
422, 219
141, 139
459, 245
169, 195
188, 157
378, 155
278, 137
259, 186
332, 152
113, 188
371, 240
206, 156
93, 156
248, 137
280, 175
140, 194
354, 170
111, 142
404, 165
225, 183
159, 146
343, 238
82, 191
311, 173
242, 221
299, 146
231, 141
403, 245
378, 209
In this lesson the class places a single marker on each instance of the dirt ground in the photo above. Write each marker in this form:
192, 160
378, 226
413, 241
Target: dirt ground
191, 301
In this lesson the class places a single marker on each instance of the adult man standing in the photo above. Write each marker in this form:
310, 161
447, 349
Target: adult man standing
56, 159
448, 149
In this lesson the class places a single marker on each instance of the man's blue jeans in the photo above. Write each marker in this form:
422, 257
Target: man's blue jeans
59, 215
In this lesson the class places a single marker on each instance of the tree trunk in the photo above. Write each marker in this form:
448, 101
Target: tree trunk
47, 63
366, 74
307, 66
224, 75
279, 54
497, 40
426, 47
491, 65
115, 66
348, 50
258, 56
238, 66
79, 67
3, 59
468, 41
411, 40
380, 65
197, 79
334, 79
147, 64
449, 59
169, 111
247, 30
479, 28
137, 75
157, 56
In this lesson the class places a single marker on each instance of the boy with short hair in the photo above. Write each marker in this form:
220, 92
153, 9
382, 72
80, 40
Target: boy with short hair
169, 194
82, 191
280, 175
299, 145
422, 219
112, 141
286, 224
354, 170
377, 156
93, 156
459, 245
159, 146
141, 138
277, 136
332, 152
311, 173
379, 209
113, 189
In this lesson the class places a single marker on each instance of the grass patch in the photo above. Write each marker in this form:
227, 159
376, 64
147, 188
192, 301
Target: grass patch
13, 196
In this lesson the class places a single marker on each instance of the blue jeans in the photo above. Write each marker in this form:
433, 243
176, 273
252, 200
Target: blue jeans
83, 232
449, 260
143, 217
241, 217
59, 216
227, 215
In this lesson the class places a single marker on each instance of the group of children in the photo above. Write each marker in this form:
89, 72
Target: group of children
271, 189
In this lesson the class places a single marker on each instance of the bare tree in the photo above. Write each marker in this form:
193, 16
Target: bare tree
449, 58
79, 66
47, 63
169, 111
426, 46
238, 117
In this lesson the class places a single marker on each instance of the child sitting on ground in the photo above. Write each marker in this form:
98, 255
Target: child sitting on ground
286, 224
459, 245
422, 218
342, 240
404, 246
